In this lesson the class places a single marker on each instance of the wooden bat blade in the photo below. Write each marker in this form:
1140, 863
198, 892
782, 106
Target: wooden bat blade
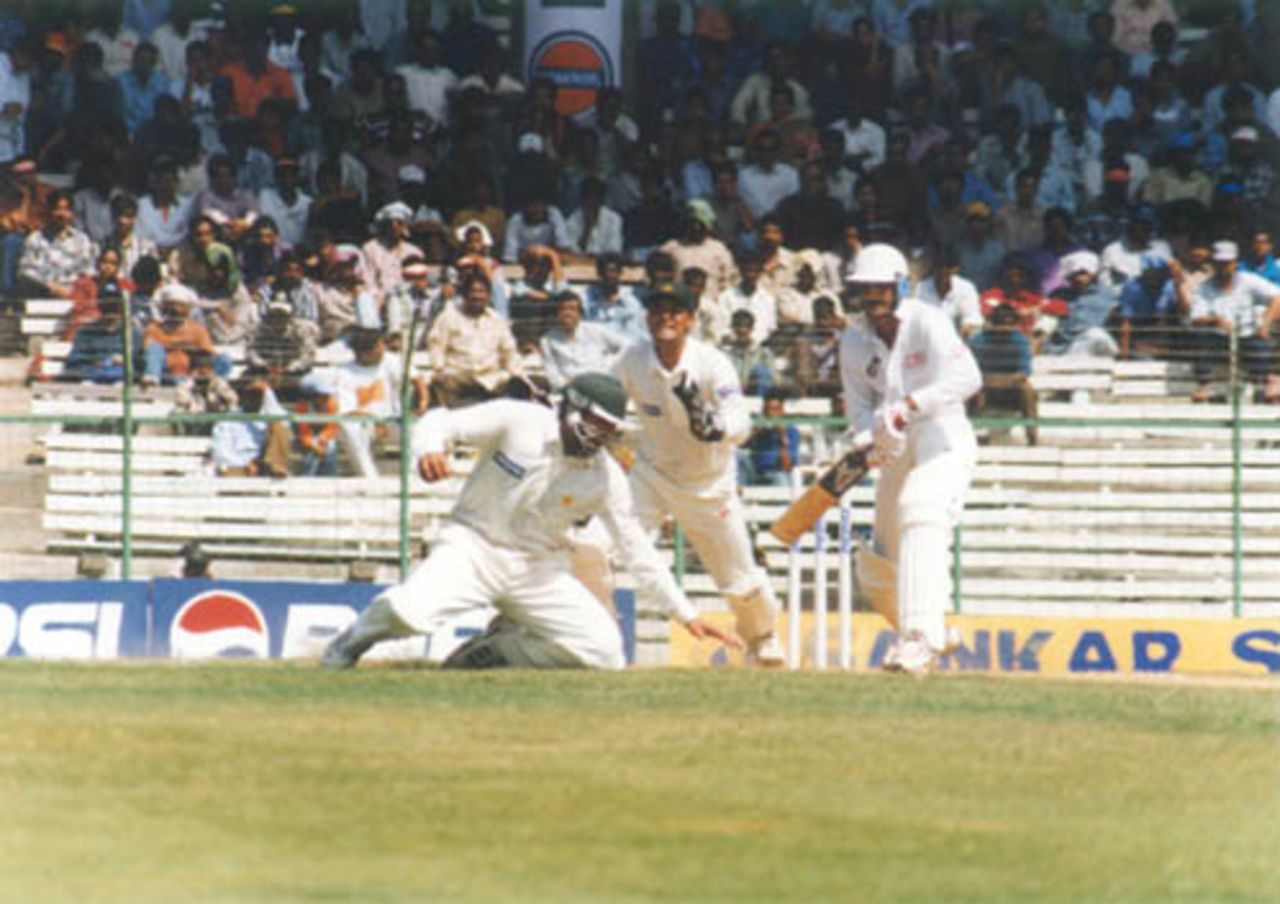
804, 513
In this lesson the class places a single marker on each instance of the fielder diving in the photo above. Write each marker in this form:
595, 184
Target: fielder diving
507, 543
906, 375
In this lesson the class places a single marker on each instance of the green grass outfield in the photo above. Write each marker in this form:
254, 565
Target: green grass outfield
279, 783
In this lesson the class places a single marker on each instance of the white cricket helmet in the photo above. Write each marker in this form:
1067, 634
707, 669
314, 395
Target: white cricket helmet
877, 264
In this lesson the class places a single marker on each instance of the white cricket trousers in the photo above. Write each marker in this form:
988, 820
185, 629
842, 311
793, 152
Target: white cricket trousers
717, 530
464, 571
919, 499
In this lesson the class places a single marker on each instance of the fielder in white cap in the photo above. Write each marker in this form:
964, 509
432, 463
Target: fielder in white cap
538, 473
907, 375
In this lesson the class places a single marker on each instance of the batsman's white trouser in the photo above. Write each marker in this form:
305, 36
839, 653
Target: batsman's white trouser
919, 499
535, 591
717, 530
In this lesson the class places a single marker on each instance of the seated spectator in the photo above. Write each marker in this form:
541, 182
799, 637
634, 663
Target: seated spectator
371, 385
189, 262
797, 138
1248, 167
611, 303
1148, 312
22, 211
536, 223
291, 284
254, 78
123, 235
980, 253
1232, 301
1017, 288
795, 302
751, 360
1059, 241
337, 210
163, 214
281, 347
286, 204
1004, 357
652, 220
144, 301
1261, 258
947, 289
1020, 225
697, 247
140, 86
340, 293
427, 228
749, 295
814, 354
230, 312
472, 350
412, 304
731, 216
168, 342
777, 261
531, 294
55, 255
475, 253
385, 253
481, 206
764, 183
574, 347
98, 350
1180, 178
771, 452
383, 161
594, 229
1117, 162
318, 442
86, 290
1122, 259
261, 253
252, 448
1085, 328
204, 392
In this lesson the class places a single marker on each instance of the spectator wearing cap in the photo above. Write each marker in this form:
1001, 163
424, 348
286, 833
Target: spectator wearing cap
168, 342
472, 350
947, 289
749, 295
97, 351
140, 86
613, 304
1085, 330
286, 204
1179, 179
1018, 287
696, 247
594, 229
1148, 315
1232, 301
1122, 259
1261, 257
574, 346
1020, 225
281, 346
124, 235
536, 223
765, 182
164, 215
254, 78
54, 255
474, 253
979, 251
1003, 354
386, 252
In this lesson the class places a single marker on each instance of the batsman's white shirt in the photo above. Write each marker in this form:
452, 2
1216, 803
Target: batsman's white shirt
525, 494
667, 446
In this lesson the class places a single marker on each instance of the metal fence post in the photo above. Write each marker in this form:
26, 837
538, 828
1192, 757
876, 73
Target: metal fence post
1237, 481
126, 446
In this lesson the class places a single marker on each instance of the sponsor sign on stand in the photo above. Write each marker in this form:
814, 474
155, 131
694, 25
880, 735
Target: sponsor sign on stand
73, 619
578, 45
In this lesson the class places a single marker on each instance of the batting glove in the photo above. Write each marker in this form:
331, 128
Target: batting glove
704, 423
889, 438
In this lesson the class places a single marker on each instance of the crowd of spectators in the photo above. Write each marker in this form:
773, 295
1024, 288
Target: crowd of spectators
1068, 178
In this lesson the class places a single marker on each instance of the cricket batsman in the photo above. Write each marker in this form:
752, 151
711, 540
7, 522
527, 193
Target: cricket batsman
693, 416
539, 472
907, 375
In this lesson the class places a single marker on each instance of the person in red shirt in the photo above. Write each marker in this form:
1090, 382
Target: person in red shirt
1037, 314
255, 78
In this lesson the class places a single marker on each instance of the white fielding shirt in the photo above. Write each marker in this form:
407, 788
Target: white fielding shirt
526, 494
929, 362
667, 445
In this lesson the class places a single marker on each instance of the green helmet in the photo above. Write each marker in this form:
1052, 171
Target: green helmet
598, 393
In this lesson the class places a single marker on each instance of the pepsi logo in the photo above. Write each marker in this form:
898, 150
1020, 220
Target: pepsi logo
578, 64
219, 624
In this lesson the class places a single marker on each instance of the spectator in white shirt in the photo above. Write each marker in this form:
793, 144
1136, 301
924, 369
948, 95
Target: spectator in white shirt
593, 228
864, 140
751, 104
1122, 259
766, 182
951, 292
749, 295
429, 82
574, 346
386, 252
163, 214
285, 204
537, 223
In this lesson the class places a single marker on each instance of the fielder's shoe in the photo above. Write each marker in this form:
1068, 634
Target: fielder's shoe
955, 640
912, 655
767, 653
341, 653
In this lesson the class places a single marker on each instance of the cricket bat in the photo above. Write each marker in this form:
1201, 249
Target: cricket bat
804, 513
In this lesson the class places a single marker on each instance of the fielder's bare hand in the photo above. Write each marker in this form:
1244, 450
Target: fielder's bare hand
703, 631
434, 466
